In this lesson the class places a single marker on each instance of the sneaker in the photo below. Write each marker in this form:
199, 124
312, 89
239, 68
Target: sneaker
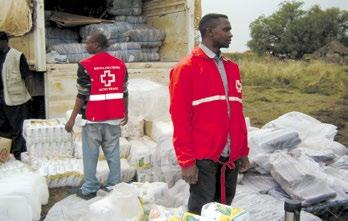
107, 188
85, 196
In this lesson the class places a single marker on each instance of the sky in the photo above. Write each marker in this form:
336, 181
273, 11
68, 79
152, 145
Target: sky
243, 12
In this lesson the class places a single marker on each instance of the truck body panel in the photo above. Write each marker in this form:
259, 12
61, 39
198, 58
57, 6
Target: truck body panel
178, 18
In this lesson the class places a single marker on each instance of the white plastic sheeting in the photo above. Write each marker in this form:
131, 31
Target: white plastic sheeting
269, 140
9, 206
23, 189
134, 127
122, 203
299, 181
148, 99
159, 129
313, 133
262, 206
165, 162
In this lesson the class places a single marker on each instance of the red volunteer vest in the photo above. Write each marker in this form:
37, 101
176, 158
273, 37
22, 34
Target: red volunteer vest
106, 101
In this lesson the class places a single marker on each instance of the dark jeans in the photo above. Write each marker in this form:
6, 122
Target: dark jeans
11, 124
207, 189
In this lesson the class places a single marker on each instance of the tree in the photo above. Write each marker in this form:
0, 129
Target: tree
292, 32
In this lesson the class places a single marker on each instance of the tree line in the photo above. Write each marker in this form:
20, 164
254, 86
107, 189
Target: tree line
292, 32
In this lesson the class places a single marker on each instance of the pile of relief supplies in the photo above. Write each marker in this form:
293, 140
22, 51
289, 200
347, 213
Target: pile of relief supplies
294, 156
130, 37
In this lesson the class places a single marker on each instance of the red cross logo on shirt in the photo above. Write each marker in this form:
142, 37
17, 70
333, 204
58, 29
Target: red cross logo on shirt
107, 78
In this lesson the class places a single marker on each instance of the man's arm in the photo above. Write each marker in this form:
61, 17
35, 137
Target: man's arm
125, 94
83, 89
181, 114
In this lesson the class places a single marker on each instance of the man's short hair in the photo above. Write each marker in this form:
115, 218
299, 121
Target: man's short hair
3, 36
209, 21
101, 39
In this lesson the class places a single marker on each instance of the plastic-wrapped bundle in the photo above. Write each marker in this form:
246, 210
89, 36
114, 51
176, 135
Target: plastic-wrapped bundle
317, 155
59, 173
144, 33
148, 99
128, 55
69, 172
120, 7
341, 163
305, 125
71, 208
113, 205
134, 127
13, 166
165, 164
150, 50
75, 58
179, 194
141, 153
111, 31
124, 46
158, 129
70, 48
262, 206
269, 140
131, 19
29, 185
135, 55
58, 36
152, 193
54, 57
152, 56
47, 138
296, 179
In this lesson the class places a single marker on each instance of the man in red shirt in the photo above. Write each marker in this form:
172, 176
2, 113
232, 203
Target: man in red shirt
210, 134
102, 100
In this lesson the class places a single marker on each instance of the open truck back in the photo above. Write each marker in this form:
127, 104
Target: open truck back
178, 18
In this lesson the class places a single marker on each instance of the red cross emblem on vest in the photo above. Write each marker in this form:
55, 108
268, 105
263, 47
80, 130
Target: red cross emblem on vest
107, 78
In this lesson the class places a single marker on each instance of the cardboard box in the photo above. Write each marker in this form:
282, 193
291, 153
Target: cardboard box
5, 147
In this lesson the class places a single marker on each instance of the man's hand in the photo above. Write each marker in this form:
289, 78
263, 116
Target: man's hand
190, 174
69, 125
244, 164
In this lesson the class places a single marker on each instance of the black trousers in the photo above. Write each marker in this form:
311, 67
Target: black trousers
11, 124
207, 189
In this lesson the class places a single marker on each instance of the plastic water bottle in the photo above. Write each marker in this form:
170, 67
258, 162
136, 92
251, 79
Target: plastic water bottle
292, 210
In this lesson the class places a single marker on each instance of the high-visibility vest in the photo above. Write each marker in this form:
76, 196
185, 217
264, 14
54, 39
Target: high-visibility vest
106, 99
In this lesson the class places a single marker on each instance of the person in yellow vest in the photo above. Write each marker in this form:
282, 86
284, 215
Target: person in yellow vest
14, 94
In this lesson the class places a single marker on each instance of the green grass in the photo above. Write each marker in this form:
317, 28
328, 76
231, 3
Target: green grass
274, 87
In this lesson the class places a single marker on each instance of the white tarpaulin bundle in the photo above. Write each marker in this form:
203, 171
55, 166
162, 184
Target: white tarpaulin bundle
16, 16
148, 99
299, 181
21, 190
313, 133
262, 206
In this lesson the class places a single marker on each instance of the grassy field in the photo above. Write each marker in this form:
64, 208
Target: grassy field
274, 87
